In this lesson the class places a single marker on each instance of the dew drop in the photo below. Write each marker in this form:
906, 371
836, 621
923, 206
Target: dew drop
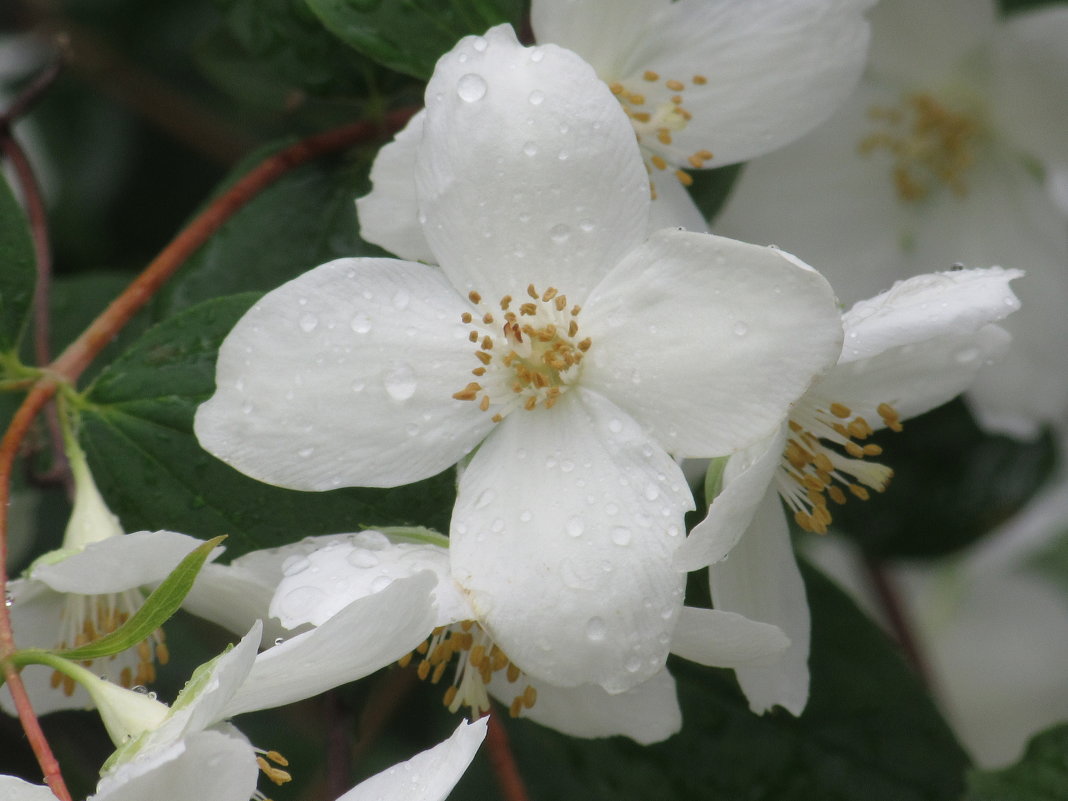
480, 44
140, 689
358, 385
498, 525
525, 516
152, 696
400, 381
615, 425
279, 640
596, 629
537, 54
741, 329
621, 535
633, 663
362, 558
294, 565
563, 155
246, 407
651, 492
8, 600
360, 324
967, 355
559, 233
575, 526
567, 465
471, 87
372, 540
401, 299
536, 97
611, 509
308, 323
485, 499
530, 149
586, 225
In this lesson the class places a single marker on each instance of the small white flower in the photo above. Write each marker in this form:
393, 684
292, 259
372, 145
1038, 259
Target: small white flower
906, 351
458, 647
574, 352
933, 162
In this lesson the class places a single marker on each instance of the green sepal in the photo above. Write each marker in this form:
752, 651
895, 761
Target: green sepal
1040, 775
158, 607
714, 478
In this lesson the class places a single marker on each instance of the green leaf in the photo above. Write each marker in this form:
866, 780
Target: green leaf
410, 35
952, 484
302, 220
157, 609
870, 731
711, 188
1040, 775
137, 429
18, 272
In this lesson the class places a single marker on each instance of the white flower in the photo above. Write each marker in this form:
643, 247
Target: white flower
88, 588
906, 351
458, 645
705, 83
933, 162
576, 353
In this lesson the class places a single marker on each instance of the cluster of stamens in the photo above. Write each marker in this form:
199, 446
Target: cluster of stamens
661, 121
87, 618
527, 356
811, 472
478, 658
930, 144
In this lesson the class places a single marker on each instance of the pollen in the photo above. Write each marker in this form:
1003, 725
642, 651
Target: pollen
930, 143
477, 660
528, 359
87, 618
658, 112
825, 457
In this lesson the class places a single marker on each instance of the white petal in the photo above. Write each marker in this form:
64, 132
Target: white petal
389, 214
319, 585
920, 344
1029, 89
774, 71
1008, 219
207, 765
647, 713
13, 789
747, 477
429, 776
725, 639
707, 341
824, 200
562, 538
118, 563
673, 207
603, 32
917, 41
234, 598
762, 582
344, 377
365, 636
529, 170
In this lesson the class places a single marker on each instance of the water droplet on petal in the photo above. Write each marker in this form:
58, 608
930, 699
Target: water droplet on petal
372, 540
530, 149
621, 535
485, 499
360, 324
471, 87
575, 526
967, 355
633, 663
380, 583
480, 44
651, 492
279, 640
358, 385
362, 558
596, 629
536, 97
525, 516
586, 225
400, 381
741, 329
559, 233
294, 565
308, 323
401, 299
615, 425
537, 54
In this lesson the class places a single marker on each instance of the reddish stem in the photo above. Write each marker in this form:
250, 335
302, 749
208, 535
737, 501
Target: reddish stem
889, 599
503, 761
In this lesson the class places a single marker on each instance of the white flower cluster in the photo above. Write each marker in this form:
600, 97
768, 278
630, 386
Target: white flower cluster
560, 328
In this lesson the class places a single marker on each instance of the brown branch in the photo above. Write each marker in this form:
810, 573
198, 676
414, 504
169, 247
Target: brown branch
29, 96
503, 761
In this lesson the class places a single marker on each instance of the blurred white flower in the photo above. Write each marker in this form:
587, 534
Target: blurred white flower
937, 160
573, 352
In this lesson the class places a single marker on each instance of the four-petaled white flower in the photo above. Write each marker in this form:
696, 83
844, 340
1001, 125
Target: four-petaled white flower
572, 351
933, 162
458, 647
906, 351
704, 83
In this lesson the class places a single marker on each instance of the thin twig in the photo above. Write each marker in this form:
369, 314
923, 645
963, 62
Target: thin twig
503, 761
889, 600
29, 96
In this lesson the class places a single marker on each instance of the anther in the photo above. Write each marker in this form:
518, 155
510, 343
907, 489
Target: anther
700, 80
473, 336
549, 294
659, 162
649, 75
675, 86
474, 297
532, 291
487, 318
838, 410
506, 301
616, 88
683, 178
466, 317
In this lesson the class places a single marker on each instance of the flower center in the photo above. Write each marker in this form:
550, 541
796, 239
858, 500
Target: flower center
811, 471
656, 111
87, 618
477, 660
930, 145
528, 355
